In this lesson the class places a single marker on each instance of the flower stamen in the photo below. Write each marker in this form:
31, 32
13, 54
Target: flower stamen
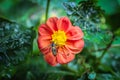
59, 38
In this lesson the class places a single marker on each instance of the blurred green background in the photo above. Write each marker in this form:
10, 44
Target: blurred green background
20, 58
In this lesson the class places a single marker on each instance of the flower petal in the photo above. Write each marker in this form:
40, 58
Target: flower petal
52, 23
64, 56
66, 53
75, 33
51, 59
75, 46
44, 43
43, 30
64, 24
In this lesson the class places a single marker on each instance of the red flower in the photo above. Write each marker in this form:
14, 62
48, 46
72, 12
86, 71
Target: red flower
59, 40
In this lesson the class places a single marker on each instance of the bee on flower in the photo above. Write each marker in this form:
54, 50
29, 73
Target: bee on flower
59, 40
54, 48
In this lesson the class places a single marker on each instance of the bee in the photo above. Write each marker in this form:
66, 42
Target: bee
54, 48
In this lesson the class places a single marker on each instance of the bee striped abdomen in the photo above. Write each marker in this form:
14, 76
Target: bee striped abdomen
54, 49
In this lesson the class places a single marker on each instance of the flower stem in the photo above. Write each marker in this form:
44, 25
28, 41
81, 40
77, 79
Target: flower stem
98, 61
108, 46
47, 9
102, 49
66, 68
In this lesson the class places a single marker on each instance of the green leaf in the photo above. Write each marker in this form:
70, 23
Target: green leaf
15, 42
105, 77
70, 7
86, 14
92, 76
89, 17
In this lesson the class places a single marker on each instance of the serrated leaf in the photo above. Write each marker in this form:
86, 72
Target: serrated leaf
86, 14
70, 7
15, 42
89, 17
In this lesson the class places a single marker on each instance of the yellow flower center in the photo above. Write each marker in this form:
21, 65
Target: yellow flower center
59, 38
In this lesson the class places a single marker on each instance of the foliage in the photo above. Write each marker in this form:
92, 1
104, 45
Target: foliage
88, 16
20, 58
15, 43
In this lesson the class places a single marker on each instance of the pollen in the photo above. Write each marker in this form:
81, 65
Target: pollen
59, 38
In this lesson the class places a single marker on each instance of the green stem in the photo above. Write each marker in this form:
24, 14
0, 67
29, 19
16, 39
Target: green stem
6, 56
105, 50
47, 9
66, 68
102, 49
108, 46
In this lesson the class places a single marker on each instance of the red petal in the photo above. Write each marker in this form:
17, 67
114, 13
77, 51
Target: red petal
64, 24
51, 59
52, 23
44, 30
64, 57
75, 46
44, 43
75, 33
